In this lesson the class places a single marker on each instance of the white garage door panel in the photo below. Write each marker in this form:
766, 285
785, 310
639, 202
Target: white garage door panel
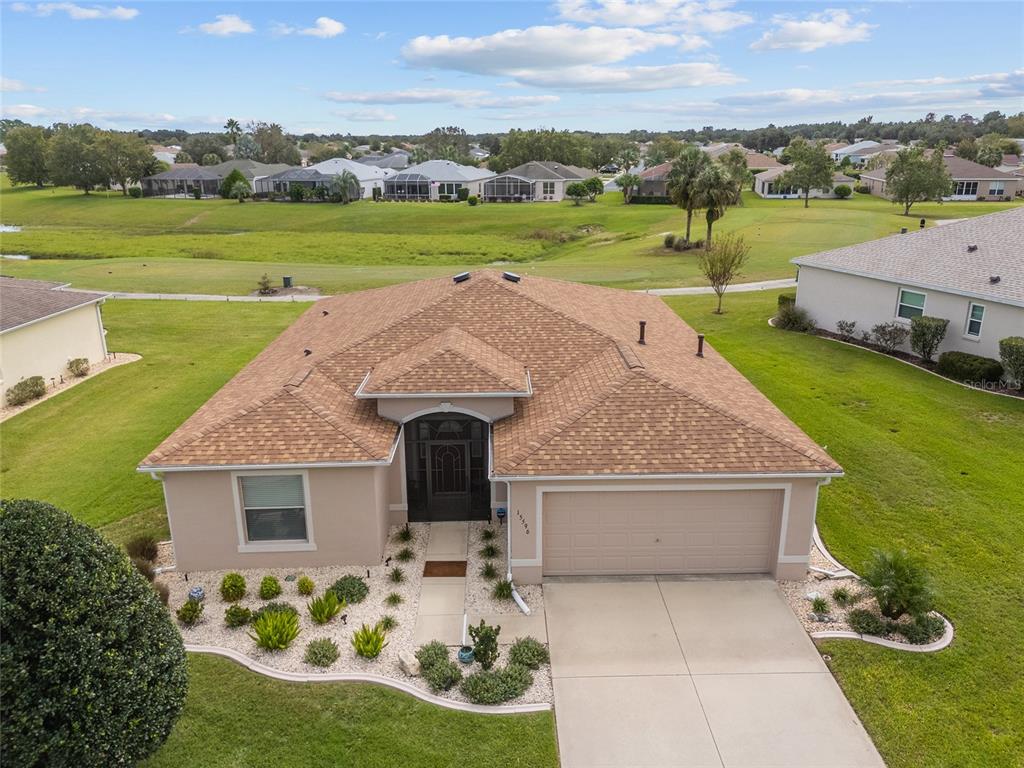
610, 532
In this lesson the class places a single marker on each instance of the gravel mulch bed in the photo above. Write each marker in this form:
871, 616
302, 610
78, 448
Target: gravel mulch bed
478, 589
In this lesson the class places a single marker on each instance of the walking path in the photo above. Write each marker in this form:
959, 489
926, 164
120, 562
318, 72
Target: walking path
442, 605
762, 285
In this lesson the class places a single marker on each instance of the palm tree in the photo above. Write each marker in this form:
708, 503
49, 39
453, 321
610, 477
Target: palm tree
628, 157
239, 191
628, 182
734, 162
233, 130
345, 186
682, 178
713, 192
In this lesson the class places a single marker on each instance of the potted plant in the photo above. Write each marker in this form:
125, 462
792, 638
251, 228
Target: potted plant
466, 654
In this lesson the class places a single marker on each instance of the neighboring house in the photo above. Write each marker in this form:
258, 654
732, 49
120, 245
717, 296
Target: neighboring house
435, 180
757, 161
969, 272
251, 169
281, 183
766, 184
537, 180
370, 177
43, 327
614, 447
654, 184
835, 146
1011, 164
478, 153
396, 160
856, 151
181, 181
165, 154
971, 181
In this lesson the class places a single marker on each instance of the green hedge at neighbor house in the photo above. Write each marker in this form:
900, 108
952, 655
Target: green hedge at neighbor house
1011, 351
786, 300
31, 388
966, 367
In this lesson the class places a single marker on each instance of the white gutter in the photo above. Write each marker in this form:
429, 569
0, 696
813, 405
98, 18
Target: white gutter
675, 476
508, 547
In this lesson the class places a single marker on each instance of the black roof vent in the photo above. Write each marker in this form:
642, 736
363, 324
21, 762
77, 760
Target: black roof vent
307, 352
512, 277
972, 248
994, 279
461, 277
326, 313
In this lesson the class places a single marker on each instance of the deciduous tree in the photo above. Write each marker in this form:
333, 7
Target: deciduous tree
72, 159
810, 168
26, 155
577, 191
913, 177
124, 158
722, 264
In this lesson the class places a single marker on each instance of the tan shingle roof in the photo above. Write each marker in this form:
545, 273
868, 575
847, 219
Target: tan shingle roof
27, 301
601, 403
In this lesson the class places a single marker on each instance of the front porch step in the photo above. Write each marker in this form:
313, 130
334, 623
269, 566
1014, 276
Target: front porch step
448, 541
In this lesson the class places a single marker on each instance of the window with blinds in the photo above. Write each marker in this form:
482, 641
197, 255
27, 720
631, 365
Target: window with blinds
274, 507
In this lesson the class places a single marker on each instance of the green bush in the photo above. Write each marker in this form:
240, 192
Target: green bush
405, 534
305, 586
462, 194
145, 568
135, 192
324, 608
488, 534
394, 599
923, 629
31, 388
899, 583
351, 589
485, 643
190, 612
793, 318
842, 191
232, 587
862, 189
670, 239
433, 653
472, 200
819, 605
442, 676
275, 630
296, 193
197, 193
786, 300
966, 367
237, 616
926, 333
405, 555
227, 186
396, 575
321, 653
502, 590
275, 608
369, 641
1011, 352
489, 551
270, 588
142, 546
528, 652
843, 597
865, 622
846, 328
496, 686
489, 571
890, 336
94, 670
387, 622
78, 366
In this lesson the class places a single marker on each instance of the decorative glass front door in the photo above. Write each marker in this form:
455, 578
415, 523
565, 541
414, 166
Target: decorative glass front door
446, 468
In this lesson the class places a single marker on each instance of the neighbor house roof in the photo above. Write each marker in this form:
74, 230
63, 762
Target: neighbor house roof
396, 160
248, 168
658, 172
599, 402
187, 172
298, 173
773, 173
857, 147
538, 170
23, 302
963, 257
960, 169
362, 171
443, 170
758, 160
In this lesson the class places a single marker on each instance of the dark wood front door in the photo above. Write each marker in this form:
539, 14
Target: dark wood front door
446, 468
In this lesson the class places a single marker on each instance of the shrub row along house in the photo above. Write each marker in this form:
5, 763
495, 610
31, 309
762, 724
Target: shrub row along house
616, 440
969, 272
971, 181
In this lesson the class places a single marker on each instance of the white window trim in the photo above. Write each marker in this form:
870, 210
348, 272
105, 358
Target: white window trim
967, 324
244, 545
899, 303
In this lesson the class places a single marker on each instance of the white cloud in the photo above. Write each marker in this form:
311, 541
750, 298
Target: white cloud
78, 12
992, 77
324, 27
684, 15
227, 24
818, 30
689, 43
640, 78
10, 85
370, 115
470, 99
23, 110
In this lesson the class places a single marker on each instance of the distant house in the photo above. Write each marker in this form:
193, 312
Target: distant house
396, 160
42, 327
537, 180
435, 180
1011, 164
183, 180
835, 146
251, 169
478, 153
758, 161
282, 183
370, 177
766, 184
653, 185
972, 181
969, 272
857, 152
165, 154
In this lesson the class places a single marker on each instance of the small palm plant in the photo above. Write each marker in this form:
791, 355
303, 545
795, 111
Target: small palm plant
239, 191
899, 583
369, 641
275, 630
324, 608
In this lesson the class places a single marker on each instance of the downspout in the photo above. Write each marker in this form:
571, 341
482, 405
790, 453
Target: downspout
508, 549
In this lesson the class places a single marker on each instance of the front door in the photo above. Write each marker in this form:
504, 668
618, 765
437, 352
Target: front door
446, 468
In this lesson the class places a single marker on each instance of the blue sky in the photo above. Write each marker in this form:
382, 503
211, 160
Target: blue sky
405, 67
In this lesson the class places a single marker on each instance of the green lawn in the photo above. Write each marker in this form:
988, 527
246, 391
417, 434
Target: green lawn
234, 717
79, 450
110, 242
932, 467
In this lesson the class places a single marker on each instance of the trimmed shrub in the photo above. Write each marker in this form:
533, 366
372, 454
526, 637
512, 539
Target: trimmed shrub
485, 643
237, 616
489, 571
405, 555
135, 192
275, 608
926, 333
786, 300
899, 583
442, 676
387, 622
142, 546
232, 587
78, 366
296, 193
275, 630
528, 652
862, 189
923, 629
190, 613
488, 534
405, 534
305, 586
842, 191
394, 599
351, 589
77, 618
369, 641
324, 608
25, 390
843, 597
793, 318
270, 588
670, 239
396, 575
846, 328
197, 193
502, 590
489, 551
321, 653
227, 186
462, 194
865, 622
890, 336
819, 605
1011, 352
966, 367
496, 686
472, 200
433, 653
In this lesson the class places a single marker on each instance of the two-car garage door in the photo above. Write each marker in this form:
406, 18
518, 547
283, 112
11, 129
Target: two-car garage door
645, 532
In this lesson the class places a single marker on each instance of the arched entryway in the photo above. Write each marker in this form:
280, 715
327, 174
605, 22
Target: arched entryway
446, 468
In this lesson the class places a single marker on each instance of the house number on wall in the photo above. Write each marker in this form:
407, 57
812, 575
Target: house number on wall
522, 520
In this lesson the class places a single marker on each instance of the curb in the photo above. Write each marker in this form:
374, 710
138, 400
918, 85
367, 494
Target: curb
943, 642
355, 677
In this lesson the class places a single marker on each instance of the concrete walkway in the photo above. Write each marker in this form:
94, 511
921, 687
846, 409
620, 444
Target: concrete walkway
442, 605
684, 673
763, 285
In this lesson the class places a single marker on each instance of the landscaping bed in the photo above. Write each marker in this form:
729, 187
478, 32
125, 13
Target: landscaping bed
480, 590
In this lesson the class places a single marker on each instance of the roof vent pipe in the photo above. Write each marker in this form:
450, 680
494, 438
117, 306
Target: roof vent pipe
512, 277
700, 345
643, 332
972, 248
903, 230
307, 352
994, 279
461, 277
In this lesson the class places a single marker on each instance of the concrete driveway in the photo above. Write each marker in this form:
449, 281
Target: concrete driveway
662, 672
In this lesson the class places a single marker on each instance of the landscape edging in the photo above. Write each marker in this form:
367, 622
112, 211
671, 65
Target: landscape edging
352, 677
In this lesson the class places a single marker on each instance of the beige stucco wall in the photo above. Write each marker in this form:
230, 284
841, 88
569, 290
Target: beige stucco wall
830, 296
401, 409
527, 527
44, 348
349, 511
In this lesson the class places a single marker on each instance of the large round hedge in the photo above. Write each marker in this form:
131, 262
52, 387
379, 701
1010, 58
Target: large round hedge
93, 669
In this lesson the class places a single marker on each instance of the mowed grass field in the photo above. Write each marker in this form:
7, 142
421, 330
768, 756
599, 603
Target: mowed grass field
108, 242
